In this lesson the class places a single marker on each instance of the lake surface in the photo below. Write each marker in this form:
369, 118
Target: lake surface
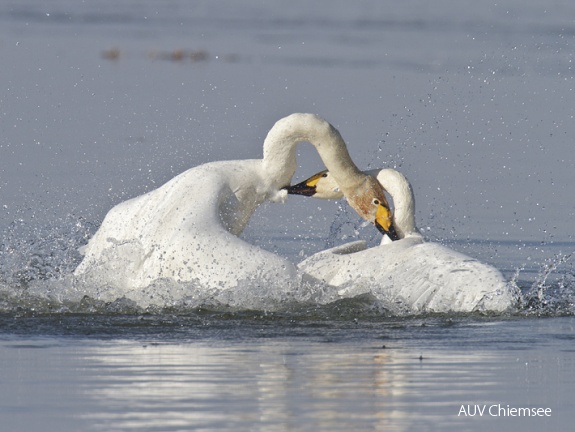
248, 371
474, 102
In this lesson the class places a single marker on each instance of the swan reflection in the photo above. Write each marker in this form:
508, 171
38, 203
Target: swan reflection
262, 386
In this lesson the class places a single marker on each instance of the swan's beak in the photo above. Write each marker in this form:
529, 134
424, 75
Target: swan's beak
306, 187
301, 189
384, 222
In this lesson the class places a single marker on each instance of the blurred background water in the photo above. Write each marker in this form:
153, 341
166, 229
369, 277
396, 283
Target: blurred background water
102, 101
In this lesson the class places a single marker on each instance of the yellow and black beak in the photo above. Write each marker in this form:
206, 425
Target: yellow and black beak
306, 187
384, 222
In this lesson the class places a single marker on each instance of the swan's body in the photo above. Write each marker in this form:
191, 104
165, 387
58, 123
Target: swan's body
414, 274
187, 229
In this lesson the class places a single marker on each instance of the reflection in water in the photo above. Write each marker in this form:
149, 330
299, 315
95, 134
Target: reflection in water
418, 382
278, 385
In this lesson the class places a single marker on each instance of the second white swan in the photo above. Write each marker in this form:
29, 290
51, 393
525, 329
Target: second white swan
412, 274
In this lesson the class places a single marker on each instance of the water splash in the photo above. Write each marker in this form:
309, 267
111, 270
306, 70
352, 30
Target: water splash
30, 253
553, 291
37, 264
345, 225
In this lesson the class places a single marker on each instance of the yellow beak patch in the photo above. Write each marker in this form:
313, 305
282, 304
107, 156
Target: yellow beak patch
383, 217
312, 181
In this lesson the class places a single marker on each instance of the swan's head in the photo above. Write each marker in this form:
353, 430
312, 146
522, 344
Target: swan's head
368, 198
369, 201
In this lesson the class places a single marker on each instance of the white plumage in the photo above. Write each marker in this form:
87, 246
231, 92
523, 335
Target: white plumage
413, 274
187, 230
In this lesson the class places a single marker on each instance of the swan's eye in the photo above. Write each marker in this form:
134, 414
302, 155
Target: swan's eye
375, 201
324, 175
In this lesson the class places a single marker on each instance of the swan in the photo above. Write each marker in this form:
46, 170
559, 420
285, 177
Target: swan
416, 275
187, 230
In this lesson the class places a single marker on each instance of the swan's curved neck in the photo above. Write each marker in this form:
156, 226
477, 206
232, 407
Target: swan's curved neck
401, 191
279, 159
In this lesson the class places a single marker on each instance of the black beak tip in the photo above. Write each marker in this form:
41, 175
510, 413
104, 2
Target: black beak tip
391, 233
300, 189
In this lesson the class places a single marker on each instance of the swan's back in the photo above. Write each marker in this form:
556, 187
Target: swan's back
414, 275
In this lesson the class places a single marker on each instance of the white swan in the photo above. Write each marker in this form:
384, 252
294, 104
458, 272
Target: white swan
411, 273
187, 230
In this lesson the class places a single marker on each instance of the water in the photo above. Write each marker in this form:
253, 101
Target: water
103, 101
250, 371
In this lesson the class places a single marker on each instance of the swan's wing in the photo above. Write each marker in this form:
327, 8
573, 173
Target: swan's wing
348, 248
121, 225
417, 275
180, 231
442, 280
